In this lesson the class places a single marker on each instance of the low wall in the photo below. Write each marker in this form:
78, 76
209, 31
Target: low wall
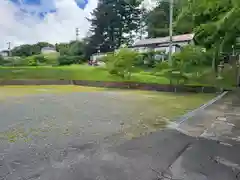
120, 85
150, 87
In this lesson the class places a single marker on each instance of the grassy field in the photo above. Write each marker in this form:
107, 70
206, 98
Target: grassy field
85, 72
75, 72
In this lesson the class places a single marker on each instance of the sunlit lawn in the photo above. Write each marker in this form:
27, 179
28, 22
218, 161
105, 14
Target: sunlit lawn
75, 72
18, 91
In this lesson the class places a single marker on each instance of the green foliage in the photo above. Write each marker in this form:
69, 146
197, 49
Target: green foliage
157, 20
216, 24
68, 60
51, 59
76, 48
1, 60
122, 62
176, 76
108, 58
113, 24
189, 56
39, 58
32, 61
63, 48
162, 66
29, 50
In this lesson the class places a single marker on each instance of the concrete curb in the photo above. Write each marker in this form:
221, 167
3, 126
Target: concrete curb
202, 107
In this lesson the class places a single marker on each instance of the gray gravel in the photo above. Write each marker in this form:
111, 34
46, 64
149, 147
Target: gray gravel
80, 136
54, 130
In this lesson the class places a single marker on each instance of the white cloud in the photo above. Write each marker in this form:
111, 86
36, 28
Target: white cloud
56, 27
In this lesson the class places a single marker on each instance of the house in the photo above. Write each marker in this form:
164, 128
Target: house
97, 56
48, 50
162, 44
5, 53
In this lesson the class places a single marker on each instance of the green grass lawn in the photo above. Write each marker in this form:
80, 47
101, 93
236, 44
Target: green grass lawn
85, 72
75, 72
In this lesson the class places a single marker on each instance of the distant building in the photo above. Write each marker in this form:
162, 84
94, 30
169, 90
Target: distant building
48, 50
5, 53
162, 44
97, 56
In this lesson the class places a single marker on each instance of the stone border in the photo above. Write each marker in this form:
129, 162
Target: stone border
119, 85
192, 113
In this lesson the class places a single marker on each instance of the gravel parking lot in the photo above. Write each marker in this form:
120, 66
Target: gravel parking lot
50, 128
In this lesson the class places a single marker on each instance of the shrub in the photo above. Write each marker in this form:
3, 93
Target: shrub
190, 56
39, 58
32, 61
162, 65
68, 60
108, 58
122, 62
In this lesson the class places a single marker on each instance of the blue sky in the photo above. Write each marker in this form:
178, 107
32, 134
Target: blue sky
54, 21
41, 8
31, 21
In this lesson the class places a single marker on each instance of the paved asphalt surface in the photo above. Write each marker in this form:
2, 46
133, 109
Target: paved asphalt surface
56, 150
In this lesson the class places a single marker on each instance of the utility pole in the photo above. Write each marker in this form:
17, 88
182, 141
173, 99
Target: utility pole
170, 30
77, 33
9, 48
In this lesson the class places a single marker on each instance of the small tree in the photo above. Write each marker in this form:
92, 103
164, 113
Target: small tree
122, 62
39, 58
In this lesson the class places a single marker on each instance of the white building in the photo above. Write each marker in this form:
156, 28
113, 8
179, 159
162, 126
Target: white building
4, 53
162, 44
48, 50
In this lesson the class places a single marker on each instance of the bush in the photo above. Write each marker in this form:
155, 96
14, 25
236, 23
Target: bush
122, 62
108, 58
39, 58
68, 60
32, 61
189, 56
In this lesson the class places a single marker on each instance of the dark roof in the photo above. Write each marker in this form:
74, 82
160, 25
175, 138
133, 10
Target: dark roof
178, 38
5, 51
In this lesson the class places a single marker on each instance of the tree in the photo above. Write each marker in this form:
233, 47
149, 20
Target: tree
76, 48
157, 20
122, 62
62, 48
29, 50
112, 24
216, 24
